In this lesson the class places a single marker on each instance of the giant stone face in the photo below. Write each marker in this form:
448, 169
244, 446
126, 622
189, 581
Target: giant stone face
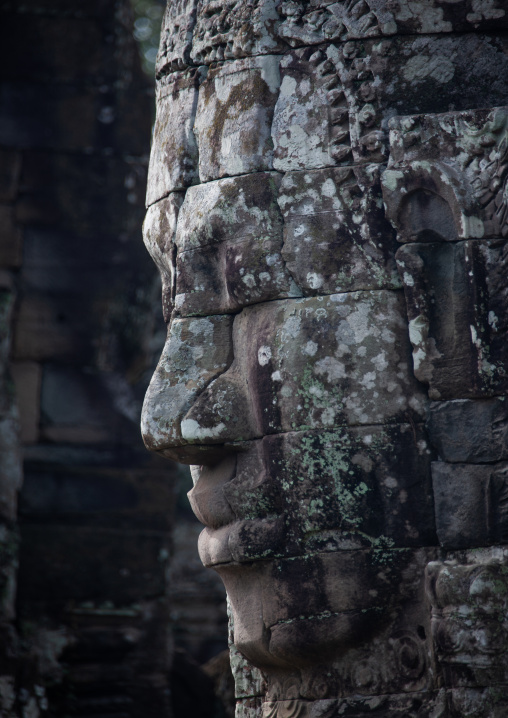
302, 348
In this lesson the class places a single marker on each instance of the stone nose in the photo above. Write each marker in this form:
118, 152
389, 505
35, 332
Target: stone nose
198, 398
197, 351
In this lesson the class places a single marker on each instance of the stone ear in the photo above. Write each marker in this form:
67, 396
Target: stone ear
427, 202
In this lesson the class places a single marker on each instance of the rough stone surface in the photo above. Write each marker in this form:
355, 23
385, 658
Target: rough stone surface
456, 294
474, 432
197, 350
336, 238
310, 363
311, 118
174, 155
308, 23
235, 28
176, 36
471, 503
229, 253
452, 168
234, 116
347, 151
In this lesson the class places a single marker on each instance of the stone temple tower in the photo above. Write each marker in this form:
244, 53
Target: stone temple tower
328, 208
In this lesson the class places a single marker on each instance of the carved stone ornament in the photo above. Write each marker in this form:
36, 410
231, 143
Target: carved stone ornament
328, 208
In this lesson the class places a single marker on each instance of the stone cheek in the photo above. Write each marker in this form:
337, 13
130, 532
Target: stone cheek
353, 488
328, 361
234, 116
313, 363
336, 237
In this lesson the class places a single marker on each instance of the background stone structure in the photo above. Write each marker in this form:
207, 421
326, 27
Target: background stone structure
327, 197
88, 600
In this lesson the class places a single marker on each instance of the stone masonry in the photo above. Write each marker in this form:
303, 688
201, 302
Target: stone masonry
328, 208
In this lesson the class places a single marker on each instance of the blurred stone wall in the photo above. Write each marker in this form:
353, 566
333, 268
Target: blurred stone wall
89, 634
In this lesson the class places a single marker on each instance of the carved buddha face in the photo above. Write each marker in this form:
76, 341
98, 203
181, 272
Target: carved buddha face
287, 384
287, 380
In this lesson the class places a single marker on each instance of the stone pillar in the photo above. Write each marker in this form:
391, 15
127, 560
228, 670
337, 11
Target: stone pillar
327, 208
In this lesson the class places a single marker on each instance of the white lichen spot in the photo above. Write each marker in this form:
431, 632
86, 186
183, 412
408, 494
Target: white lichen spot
493, 320
192, 431
310, 348
264, 355
314, 280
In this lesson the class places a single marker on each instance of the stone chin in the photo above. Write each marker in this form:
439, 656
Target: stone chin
301, 611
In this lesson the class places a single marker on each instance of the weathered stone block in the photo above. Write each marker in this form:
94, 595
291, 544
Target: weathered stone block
408, 705
447, 176
104, 497
408, 76
479, 702
311, 363
109, 184
470, 431
456, 302
364, 487
52, 125
470, 639
229, 251
314, 605
71, 409
336, 238
230, 29
234, 116
176, 36
174, 155
11, 470
376, 483
317, 21
471, 503
8, 567
311, 120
